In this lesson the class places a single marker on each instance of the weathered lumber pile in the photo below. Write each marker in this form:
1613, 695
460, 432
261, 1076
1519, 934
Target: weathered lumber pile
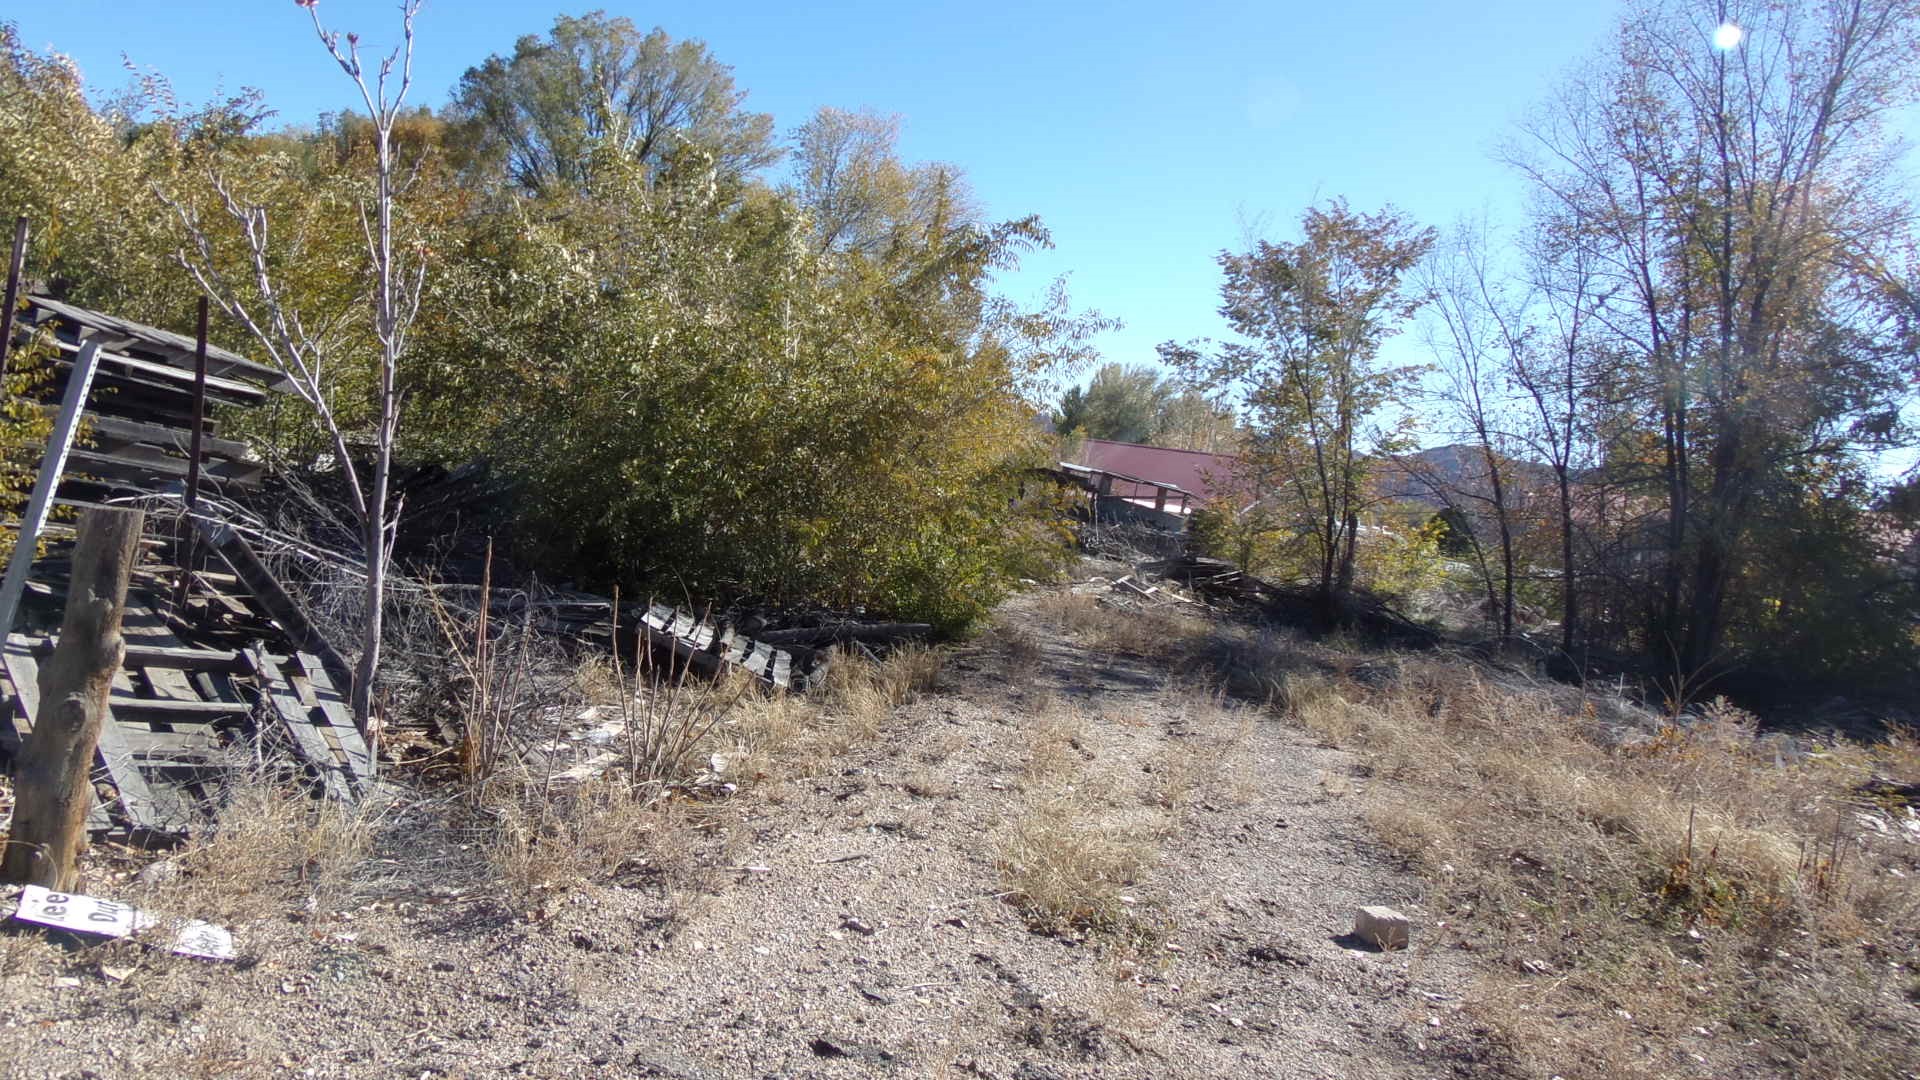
185, 711
226, 666
222, 667
1223, 582
141, 409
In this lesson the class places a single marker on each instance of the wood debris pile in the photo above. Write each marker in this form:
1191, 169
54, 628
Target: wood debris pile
227, 665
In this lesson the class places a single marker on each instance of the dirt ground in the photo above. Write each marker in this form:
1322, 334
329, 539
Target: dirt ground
859, 921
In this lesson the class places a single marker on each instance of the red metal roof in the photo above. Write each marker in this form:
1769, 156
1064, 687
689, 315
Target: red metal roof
1206, 475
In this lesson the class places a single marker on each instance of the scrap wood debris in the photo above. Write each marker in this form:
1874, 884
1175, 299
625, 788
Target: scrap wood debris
225, 658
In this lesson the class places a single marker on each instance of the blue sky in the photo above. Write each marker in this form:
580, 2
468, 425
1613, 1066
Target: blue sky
1148, 136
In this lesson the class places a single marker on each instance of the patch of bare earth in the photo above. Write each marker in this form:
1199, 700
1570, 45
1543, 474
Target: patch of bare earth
1072, 858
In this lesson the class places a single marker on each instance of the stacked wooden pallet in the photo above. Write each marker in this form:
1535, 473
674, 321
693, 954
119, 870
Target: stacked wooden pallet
175, 718
706, 646
140, 412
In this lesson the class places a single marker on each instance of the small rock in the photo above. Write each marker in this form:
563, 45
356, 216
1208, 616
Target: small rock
158, 873
857, 925
830, 1046
875, 996
1382, 927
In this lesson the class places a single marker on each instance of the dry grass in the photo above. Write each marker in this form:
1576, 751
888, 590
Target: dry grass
273, 847
596, 832
1251, 664
1699, 903
925, 784
1155, 632
660, 813
1076, 848
1069, 867
1702, 902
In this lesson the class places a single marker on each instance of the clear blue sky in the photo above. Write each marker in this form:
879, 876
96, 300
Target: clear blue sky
1148, 136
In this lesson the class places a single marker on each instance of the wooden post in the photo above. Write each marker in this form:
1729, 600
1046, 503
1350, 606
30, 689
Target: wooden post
199, 407
52, 785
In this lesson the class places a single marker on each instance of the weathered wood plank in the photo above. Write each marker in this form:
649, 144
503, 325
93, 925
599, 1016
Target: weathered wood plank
185, 659
169, 711
272, 597
333, 705
59, 445
139, 804
308, 744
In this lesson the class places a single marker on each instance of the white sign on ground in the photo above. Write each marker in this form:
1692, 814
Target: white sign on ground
91, 915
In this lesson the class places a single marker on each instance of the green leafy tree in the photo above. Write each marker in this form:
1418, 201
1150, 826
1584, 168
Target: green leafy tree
1121, 402
1312, 316
543, 115
1741, 218
1140, 404
695, 399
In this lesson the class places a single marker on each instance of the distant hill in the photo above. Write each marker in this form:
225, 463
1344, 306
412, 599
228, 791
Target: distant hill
1458, 467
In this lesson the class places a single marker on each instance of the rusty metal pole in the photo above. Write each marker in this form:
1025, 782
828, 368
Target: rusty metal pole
191, 554
199, 406
16, 267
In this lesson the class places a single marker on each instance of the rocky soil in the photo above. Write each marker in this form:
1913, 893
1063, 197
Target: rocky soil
854, 922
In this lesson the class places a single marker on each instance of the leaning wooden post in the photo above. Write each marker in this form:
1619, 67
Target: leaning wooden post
53, 786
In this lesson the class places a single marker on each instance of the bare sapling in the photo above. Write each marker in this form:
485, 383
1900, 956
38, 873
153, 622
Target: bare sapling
307, 345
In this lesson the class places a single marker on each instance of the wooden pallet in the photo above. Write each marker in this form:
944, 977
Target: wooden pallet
297, 692
707, 647
174, 713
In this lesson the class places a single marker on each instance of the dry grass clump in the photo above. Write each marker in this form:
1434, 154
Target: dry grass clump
1075, 845
1700, 902
1068, 867
685, 745
1055, 736
1148, 632
273, 846
596, 832
1262, 666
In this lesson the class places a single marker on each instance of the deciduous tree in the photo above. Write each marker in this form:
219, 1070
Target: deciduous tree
1311, 316
543, 115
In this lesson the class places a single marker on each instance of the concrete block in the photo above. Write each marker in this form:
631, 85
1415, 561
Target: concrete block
1382, 927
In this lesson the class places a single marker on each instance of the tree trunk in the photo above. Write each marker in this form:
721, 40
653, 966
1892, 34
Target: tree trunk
1569, 596
1501, 518
374, 627
53, 783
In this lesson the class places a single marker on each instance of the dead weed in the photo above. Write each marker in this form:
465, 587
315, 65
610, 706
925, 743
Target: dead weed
1689, 903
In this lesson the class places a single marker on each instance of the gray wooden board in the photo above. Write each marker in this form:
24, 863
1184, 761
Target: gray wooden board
704, 646
333, 708
311, 747
157, 808
181, 659
114, 758
136, 709
23, 674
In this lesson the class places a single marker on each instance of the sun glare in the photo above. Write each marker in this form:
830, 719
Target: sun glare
1727, 36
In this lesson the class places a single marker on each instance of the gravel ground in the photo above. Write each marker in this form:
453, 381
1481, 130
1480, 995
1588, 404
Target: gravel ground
849, 924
